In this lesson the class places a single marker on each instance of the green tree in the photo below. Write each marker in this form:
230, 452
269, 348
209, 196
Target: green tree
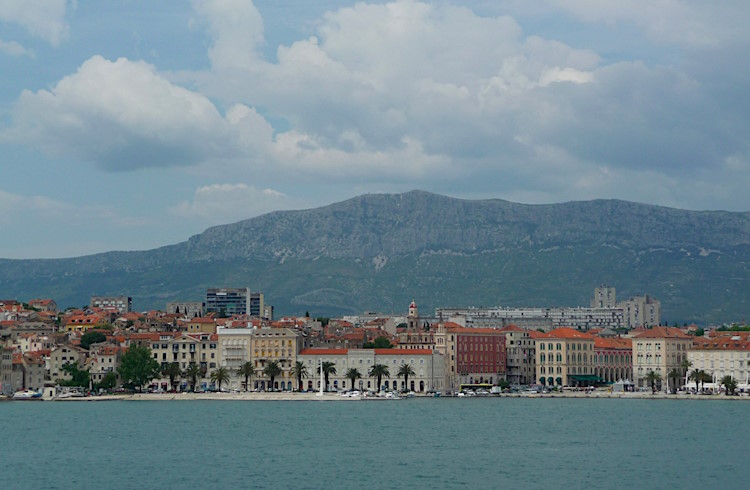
108, 382
138, 367
675, 376
730, 384
353, 374
92, 337
193, 373
299, 371
379, 371
329, 368
172, 371
78, 377
247, 371
272, 370
404, 371
220, 376
652, 377
696, 375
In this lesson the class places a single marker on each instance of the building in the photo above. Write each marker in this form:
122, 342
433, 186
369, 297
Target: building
228, 301
472, 355
188, 309
604, 297
123, 304
279, 345
520, 348
641, 311
613, 359
565, 357
44, 305
235, 348
659, 349
427, 365
722, 356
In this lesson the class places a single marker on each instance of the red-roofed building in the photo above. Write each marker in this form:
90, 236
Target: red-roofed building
427, 365
472, 355
660, 349
613, 359
565, 357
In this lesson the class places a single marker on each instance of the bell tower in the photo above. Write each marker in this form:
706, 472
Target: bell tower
412, 319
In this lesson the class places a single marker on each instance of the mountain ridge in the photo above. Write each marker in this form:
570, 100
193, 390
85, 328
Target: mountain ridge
419, 242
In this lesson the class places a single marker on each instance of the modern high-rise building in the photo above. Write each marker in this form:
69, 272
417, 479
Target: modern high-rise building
123, 304
228, 301
604, 297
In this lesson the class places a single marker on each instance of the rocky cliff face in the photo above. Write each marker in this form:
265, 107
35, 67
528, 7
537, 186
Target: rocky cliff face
366, 252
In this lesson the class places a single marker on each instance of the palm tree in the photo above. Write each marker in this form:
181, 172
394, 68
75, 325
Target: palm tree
697, 376
247, 370
192, 373
405, 370
353, 374
329, 368
674, 375
299, 371
730, 384
379, 371
221, 375
173, 371
652, 377
272, 370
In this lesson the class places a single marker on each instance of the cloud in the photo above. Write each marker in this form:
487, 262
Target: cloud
123, 115
231, 202
42, 18
12, 48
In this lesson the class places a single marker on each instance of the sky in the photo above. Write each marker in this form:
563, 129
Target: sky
133, 124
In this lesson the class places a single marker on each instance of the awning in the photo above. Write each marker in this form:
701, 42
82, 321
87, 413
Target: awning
585, 378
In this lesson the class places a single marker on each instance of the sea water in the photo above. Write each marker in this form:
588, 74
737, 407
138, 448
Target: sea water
414, 443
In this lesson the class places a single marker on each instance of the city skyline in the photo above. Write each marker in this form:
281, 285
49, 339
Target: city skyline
129, 125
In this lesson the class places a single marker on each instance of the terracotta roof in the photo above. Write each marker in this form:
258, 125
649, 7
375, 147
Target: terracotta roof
568, 333
323, 352
403, 352
663, 333
602, 343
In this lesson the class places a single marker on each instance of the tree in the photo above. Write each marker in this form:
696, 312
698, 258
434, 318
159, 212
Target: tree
404, 371
220, 376
329, 368
381, 342
193, 373
92, 337
247, 370
272, 370
173, 371
652, 377
78, 377
675, 376
108, 382
299, 371
353, 374
697, 376
379, 371
138, 367
730, 384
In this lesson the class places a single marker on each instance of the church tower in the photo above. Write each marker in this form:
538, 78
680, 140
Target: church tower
412, 319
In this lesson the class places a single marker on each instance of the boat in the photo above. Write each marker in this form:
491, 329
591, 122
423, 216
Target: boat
27, 395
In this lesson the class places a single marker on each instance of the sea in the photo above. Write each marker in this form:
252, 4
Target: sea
489, 442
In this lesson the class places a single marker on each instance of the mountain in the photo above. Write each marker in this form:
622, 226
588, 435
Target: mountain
377, 252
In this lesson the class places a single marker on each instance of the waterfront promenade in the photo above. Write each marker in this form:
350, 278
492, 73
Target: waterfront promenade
296, 396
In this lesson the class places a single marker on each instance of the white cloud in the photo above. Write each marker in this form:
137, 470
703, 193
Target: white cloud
231, 202
41, 18
12, 48
123, 115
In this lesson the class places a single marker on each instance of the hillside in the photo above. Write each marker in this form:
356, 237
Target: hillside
376, 252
